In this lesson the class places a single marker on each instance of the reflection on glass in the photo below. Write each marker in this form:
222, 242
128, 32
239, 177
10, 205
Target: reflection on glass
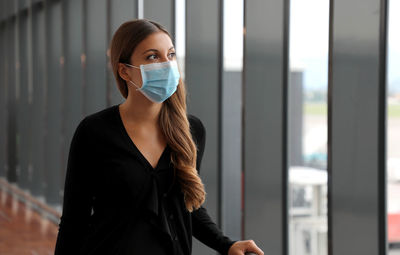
393, 129
233, 35
180, 26
231, 105
308, 82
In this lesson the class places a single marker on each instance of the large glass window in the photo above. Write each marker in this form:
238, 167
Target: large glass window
231, 118
308, 83
393, 129
180, 27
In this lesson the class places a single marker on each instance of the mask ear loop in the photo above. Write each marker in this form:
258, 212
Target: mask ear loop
137, 87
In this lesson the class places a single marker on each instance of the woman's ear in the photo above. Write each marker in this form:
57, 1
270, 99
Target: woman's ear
122, 71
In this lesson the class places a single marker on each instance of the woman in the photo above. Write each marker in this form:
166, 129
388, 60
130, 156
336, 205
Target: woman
132, 184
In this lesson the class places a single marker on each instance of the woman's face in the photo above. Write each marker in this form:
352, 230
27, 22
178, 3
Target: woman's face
157, 47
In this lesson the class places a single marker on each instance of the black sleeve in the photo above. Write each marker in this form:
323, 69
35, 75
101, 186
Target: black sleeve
204, 228
77, 201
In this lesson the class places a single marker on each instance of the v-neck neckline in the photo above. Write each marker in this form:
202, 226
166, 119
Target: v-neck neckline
133, 145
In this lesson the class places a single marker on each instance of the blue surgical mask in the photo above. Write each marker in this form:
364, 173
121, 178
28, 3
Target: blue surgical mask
159, 80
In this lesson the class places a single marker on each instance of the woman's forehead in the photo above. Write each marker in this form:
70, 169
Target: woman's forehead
158, 40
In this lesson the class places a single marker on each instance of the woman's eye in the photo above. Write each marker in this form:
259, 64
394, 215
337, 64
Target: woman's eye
172, 55
152, 56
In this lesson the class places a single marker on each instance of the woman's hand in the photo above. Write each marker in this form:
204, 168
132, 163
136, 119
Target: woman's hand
240, 247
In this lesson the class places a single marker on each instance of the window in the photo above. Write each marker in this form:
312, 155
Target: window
308, 129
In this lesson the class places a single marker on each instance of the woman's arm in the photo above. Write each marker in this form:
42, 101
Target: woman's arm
204, 228
207, 232
77, 202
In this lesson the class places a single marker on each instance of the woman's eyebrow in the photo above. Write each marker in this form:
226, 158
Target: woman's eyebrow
155, 50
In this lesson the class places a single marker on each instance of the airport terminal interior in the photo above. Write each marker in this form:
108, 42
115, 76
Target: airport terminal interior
300, 100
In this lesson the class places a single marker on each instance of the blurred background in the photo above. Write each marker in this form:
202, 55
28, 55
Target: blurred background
300, 100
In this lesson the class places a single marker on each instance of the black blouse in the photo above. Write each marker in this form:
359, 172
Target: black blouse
115, 202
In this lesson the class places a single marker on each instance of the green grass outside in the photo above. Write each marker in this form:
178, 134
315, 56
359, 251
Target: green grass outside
315, 109
321, 109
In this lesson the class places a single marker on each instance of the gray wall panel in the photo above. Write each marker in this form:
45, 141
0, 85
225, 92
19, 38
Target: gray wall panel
95, 30
357, 129
2, 10
73, 89
22, 4
162, 11
120, 12
231, 185
38, 99
3, 101
23, 107
202, 66
265, 135
9, 8
53, 139
295, 128
11, 102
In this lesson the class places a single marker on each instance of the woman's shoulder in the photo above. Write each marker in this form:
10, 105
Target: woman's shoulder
98, 121
195, 123
99, 118
103, 115
196, 128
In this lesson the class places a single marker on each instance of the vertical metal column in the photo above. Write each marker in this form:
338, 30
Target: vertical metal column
95, 31
120, 11
356, 138
39, 72
295, 115
73, 64
162, 11
53, 135
22, 4
3, 91
231, 18
203, 80
3, 94
23, 111
11, 99
231, 176
2, 11
265, 123
17, 84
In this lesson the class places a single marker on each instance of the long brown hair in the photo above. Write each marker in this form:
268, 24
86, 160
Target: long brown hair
173, 115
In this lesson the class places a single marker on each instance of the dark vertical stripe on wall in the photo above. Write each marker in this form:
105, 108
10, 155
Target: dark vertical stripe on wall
382, 128
30, 110
38, 98
2, 11
265, 121
203, 80
23, 113
162, 11
3, 97
357, 127
329, 142
219, 112
285, 126
11, 102
17, 95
